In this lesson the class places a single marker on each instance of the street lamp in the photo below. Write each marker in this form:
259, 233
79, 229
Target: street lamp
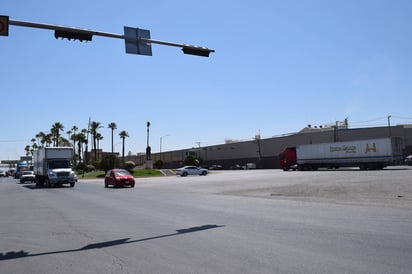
148, 147
161, 138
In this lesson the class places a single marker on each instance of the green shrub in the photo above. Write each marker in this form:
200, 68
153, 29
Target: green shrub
158, 164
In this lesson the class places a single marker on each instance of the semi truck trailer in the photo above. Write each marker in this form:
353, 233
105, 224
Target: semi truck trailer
53, 166
365, 154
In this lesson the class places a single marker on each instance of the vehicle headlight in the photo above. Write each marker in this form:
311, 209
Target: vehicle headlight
52, 174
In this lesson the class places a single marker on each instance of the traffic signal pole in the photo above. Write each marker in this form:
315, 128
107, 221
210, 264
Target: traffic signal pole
87, 34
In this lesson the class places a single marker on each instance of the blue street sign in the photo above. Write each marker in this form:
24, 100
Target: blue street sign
134, 44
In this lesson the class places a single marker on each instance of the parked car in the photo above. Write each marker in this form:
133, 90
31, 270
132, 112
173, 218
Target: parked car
27, 176
118, 177
408, 160
3, 173
191, 170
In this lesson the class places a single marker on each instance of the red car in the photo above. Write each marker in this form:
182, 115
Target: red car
118, 177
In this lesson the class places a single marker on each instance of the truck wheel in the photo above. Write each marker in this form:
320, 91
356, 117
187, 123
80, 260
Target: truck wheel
47, 182
72, 184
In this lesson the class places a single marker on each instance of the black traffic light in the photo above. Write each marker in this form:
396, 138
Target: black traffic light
199, 51
81, 36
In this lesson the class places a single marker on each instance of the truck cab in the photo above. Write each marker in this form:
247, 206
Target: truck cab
288, 159
59, 171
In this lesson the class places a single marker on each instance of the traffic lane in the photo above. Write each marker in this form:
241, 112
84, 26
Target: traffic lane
135, 230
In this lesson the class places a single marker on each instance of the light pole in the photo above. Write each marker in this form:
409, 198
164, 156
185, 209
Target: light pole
148, 150
389, 125
161, 138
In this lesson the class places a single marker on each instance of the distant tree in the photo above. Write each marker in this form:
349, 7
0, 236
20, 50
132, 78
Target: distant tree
41, 137
192, 160
48, 139
33, 145
64, 142
81, 139
27, 149
158, 164
55, 130
113, 127
94, 126
123, 135
99, 137
108, 162
72, 137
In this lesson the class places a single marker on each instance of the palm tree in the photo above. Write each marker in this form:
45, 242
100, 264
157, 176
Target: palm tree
73, 138
33, 145
56, 127
85, 142
27, 149
94, 126
99, 137
113, 127
123, 134
33, 148
65, 142
48, 139
81, 139
41, 138
69, 133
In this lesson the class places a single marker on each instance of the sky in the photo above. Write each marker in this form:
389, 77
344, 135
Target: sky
278, 66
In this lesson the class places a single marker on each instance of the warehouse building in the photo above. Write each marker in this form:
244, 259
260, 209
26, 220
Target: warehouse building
264, 152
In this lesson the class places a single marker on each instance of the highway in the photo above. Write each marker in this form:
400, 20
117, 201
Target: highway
251, 221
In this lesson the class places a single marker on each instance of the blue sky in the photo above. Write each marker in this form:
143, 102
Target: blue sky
278, 66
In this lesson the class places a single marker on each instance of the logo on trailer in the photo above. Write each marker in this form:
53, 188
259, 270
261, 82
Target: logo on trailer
372, 148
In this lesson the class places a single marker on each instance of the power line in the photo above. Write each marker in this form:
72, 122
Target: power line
14, 141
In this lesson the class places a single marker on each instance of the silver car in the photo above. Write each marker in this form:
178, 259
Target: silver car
27, 176
191, 170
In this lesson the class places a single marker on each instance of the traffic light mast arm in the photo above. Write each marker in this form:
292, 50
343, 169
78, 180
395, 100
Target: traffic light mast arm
64, 28
86, 34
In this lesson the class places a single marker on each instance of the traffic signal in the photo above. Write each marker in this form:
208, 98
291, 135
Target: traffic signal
81, 36
4, 25
199, 51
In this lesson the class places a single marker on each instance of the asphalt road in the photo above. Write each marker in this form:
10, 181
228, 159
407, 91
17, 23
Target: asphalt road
263, 221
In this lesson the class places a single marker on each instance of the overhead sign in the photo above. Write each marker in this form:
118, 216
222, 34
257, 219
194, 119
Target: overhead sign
4, 25
133, 43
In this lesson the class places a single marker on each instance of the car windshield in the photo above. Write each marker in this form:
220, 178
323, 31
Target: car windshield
121, 173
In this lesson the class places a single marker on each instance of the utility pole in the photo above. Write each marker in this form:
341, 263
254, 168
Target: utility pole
161, 138
389, 126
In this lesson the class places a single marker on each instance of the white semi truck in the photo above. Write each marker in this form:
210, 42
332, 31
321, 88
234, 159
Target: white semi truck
53, 166
365, 154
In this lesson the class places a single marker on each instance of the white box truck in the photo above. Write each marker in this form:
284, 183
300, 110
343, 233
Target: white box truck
365, 154
53, 166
